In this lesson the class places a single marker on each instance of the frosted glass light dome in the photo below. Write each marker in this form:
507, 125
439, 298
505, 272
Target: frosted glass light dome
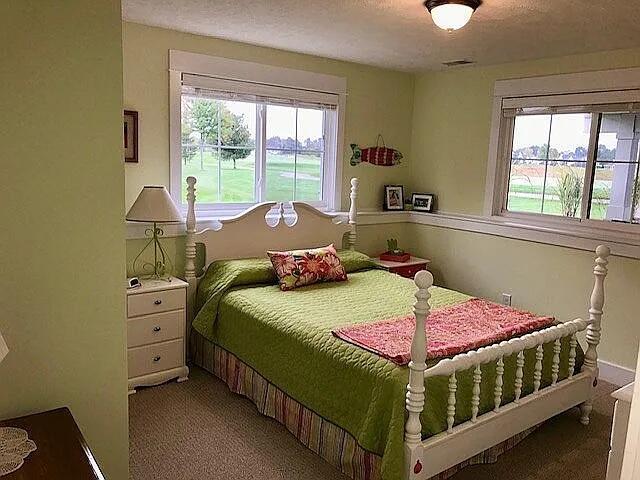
451, 15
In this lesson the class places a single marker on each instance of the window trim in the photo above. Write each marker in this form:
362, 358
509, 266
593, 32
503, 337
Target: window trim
609, 86
226, 69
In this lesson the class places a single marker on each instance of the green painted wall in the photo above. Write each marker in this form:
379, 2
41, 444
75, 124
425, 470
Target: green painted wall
379, 101
452, 122
450, 145
441, 121
62, 200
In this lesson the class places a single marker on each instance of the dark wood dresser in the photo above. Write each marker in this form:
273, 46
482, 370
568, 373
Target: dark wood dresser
62, 451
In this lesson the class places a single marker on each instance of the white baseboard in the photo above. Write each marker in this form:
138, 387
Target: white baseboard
612, 373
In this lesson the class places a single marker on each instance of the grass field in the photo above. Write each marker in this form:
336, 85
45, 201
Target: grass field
527, 185
551, 206
237, 185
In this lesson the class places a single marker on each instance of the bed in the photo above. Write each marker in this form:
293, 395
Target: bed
366, 415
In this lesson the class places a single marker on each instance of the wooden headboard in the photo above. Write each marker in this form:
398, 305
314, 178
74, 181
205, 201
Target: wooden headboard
265, 226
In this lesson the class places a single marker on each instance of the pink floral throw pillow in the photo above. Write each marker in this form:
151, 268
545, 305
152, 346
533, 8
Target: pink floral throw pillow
305, 267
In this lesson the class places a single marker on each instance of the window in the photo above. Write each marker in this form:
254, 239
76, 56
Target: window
248, 141
578, 165
564, 160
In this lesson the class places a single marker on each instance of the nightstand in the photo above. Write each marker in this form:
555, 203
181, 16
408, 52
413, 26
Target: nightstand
405, 269
156, 332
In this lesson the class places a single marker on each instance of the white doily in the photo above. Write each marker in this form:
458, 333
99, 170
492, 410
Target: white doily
14, 448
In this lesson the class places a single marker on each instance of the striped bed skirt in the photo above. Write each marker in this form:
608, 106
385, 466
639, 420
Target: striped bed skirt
332, 443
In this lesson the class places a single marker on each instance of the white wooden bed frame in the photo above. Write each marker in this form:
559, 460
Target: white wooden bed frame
249, 235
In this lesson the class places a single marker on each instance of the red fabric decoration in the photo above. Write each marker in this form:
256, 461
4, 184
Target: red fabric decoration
450, 330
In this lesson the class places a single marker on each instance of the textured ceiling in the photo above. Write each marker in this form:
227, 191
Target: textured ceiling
399, 34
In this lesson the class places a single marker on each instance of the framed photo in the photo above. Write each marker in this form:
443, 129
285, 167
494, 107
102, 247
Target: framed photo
423, 202
130, 136
393, 197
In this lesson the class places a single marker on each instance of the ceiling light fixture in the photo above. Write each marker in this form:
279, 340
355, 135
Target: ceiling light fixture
451, 15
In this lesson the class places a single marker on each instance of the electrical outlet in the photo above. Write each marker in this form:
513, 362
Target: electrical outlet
506, 299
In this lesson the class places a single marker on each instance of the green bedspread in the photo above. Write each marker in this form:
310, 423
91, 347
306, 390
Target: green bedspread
286, 337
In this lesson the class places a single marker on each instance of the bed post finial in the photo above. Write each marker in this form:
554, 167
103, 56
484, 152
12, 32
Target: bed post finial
190, 252
415, 397
593, 329
353, 212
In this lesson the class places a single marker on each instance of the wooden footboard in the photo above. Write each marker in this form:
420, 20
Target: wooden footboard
424, 459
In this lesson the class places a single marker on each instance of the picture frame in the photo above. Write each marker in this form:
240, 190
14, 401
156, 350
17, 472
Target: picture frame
393, 197
130, 136
423, 202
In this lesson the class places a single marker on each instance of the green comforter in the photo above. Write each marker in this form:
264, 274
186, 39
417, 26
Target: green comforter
286, 337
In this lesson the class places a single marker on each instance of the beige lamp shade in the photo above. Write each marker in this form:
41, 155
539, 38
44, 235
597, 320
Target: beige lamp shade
154, 204
3, 348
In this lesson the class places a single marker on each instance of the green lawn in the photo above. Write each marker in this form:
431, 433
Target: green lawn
552, 207
237, 185
601, 193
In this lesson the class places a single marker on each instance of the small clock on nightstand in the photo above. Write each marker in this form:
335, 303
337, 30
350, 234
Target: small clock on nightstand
156, 332
406, 269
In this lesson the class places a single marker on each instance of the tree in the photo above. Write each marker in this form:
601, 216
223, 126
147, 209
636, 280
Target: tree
218, 126
204, 115
201, 116
580, 153
234, 134
188, 147
605, 154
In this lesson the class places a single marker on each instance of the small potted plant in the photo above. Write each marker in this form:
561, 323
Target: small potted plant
393, 253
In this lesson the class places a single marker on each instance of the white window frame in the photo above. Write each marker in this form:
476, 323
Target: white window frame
589, 88
221, 70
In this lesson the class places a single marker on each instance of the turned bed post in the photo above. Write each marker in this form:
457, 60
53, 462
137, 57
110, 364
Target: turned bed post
190, 254
593, 329
415, 397
353, 212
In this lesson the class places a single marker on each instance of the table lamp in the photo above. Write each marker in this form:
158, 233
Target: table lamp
154, 205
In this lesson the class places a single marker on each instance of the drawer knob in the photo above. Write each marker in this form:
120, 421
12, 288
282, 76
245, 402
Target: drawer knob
157, 358
158, 302
157, 329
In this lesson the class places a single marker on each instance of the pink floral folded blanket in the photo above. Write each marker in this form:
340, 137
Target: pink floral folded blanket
450, 330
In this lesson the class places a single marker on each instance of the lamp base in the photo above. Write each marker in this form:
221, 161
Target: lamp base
161, 267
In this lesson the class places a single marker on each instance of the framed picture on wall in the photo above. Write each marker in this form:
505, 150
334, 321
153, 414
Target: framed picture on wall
393, 197
423, 202
130, 136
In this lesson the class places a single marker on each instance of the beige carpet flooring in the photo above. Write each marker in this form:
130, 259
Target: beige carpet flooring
200, 430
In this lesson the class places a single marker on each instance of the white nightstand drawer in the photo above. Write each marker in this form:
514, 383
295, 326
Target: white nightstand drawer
155, 358
153, 302
155, 328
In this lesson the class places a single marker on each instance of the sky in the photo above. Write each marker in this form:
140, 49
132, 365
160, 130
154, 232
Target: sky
568, 131
281, 121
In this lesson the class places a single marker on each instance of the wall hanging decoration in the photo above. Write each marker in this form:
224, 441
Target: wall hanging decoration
423, 202
130, 136
393, 197
378, 155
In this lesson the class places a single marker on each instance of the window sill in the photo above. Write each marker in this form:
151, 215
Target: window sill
579, 237
587, 238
